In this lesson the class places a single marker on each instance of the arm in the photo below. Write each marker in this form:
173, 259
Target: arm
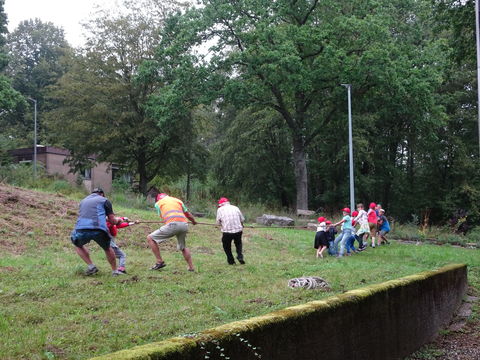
340, 222
190, 217
111, 218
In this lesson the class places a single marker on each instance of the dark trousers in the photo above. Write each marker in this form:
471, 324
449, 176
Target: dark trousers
227, 246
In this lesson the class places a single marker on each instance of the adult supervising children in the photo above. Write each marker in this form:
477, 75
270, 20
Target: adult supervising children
94, 212
175, 215
231, 220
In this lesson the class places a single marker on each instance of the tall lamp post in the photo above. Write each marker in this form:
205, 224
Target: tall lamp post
34, 138
350, 145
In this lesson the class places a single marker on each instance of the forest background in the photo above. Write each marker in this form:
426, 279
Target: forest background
243, 99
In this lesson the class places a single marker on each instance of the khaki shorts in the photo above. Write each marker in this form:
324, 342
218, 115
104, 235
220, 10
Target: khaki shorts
178, 229
373, 229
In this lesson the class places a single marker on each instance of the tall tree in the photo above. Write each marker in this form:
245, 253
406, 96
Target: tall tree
104, 103
36, 50
291, 56
9, 98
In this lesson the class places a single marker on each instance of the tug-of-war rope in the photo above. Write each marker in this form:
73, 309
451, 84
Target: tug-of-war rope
245, 226
309, 282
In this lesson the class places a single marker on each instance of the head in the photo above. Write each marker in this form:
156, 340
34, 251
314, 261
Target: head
98, 191
372, 205
360, 206
378, 207
321, 219
328, 222
160, 196
381, 212
346, 211
355, 213
222, 201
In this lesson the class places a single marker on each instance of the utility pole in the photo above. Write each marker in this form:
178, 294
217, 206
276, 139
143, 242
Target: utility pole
34, 138
350, 145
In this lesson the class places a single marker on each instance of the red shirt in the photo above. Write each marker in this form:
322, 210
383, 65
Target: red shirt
372, 216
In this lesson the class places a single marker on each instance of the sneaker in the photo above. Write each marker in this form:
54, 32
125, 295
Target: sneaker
117, 273
158, 266
91, 271
122, 270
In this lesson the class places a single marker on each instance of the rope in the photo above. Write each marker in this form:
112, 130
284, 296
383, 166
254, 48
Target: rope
309, 282
245, 226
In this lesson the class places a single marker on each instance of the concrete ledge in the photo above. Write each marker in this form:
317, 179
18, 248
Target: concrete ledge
384, 321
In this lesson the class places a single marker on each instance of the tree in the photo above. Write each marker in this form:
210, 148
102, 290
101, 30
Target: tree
9, 98
292, 56
36, 50
103, 102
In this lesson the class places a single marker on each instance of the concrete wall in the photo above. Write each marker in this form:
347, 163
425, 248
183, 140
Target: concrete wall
379, 322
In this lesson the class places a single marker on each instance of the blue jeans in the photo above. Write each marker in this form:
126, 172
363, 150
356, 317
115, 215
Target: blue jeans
331, 249
349, 244
342, 239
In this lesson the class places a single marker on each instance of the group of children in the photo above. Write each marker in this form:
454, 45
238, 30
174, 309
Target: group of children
372, 223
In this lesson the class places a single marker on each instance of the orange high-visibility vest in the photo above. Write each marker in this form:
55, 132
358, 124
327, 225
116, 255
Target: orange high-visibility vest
171, 209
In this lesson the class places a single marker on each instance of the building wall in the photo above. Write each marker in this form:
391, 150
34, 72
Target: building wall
102, 177
54, 166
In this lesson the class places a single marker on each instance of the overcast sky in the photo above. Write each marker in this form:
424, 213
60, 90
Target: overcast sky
63, 13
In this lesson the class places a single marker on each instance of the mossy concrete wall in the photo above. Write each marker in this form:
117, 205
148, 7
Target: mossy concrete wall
385, 321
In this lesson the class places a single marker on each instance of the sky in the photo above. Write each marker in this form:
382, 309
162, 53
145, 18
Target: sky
67, 14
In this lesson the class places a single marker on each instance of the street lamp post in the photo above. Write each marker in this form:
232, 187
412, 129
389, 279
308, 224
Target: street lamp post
34, 138
350, 145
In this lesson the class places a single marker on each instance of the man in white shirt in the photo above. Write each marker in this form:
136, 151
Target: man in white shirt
231, 220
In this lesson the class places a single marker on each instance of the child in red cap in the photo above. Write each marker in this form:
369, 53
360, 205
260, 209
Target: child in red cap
372, 222
347, 230
119, 254
321, 241
331, 231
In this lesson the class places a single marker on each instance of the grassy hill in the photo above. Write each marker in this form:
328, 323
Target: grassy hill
49, 310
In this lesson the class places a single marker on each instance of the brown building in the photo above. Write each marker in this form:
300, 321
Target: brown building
52, 159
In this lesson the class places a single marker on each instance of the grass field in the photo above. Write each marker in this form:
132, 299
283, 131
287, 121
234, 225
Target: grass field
49, 310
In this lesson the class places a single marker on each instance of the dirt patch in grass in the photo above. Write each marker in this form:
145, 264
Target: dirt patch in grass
27, 214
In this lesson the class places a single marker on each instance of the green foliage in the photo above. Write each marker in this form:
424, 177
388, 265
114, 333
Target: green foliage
36, 50
105, 106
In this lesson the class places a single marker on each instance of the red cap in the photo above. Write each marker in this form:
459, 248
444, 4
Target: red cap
328, 222
223, 200
355, 213
160, 196
347, 210
321, 219
372, 205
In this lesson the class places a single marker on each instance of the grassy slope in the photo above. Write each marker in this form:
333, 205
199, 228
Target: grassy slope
49, 310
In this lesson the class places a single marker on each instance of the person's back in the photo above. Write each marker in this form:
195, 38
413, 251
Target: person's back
92, 213
230, 218
171, 209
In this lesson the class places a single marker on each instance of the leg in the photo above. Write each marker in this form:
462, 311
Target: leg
188, 258
336, 241
227, 247
84, 254
109, 253
237, 239
155, 249
119, 254
322, 249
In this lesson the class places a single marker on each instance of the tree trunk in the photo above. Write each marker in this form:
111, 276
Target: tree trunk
301, 176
